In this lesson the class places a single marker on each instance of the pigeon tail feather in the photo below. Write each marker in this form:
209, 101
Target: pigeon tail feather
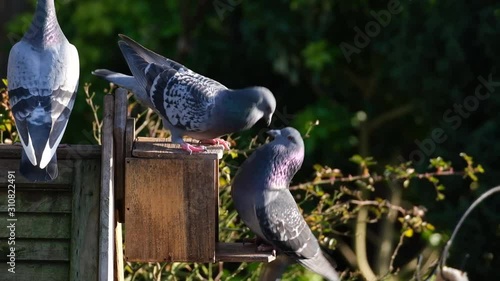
127, 82
34, 173
321, 265
140, 60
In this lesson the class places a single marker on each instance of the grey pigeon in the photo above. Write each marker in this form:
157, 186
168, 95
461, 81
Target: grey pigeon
43, 73
264, 202
192, 104
127, 82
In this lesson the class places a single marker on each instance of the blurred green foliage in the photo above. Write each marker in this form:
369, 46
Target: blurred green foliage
417, 74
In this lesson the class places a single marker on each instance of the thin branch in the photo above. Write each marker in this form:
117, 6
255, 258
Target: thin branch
393, 257
380, 204
375, 178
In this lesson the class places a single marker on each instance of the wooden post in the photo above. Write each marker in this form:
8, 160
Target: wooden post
107, 214
120, 119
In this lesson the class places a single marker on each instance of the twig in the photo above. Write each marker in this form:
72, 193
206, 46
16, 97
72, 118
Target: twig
396, 250
144, 124
96, 124
379, 204
375, 178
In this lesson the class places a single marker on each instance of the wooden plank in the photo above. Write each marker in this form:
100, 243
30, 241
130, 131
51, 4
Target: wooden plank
64, 151
239, 252
43, 225
120, 119
38, 201
25, 271
129, 136
62, 181
85, 221
37, 249
107, 208
161, 148
216, 203
129, 143
170, 207
119, 264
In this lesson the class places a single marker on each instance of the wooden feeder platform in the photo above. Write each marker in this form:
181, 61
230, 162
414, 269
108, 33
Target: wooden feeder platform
168, 199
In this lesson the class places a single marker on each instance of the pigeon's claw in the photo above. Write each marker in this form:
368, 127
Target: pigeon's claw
217, 141
191, 148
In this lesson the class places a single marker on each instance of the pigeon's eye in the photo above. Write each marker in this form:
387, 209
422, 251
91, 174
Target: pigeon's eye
290, 138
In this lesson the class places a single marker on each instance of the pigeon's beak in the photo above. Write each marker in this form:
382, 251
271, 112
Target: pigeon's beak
268, 119
274, 133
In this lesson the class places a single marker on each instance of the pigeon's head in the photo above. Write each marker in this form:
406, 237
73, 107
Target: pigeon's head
289, 137
265, 103
268, 105
287, 150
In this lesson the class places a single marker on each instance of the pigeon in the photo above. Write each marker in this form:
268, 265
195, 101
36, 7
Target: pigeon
127, 82
191, 104
43, 73
261, 195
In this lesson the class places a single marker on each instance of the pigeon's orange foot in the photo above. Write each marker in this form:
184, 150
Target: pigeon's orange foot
222, 142
191, 148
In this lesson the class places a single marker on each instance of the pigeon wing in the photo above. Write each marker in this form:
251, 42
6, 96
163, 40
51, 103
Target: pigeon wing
184, 97
283, 225
42, 92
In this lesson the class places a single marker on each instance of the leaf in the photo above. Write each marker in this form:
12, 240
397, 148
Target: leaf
222, 181
474, 185
433, 179
472, 176
406, 183
356, 159
480, 169
430, 227
408, 232
5, 82
440, 196
318, 167
233, 154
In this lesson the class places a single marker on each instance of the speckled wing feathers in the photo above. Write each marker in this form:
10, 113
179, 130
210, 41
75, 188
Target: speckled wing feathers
283, 225
184, 97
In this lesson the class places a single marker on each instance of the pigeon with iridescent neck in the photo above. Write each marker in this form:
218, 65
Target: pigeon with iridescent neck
43, 72
191, 104
264, 202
